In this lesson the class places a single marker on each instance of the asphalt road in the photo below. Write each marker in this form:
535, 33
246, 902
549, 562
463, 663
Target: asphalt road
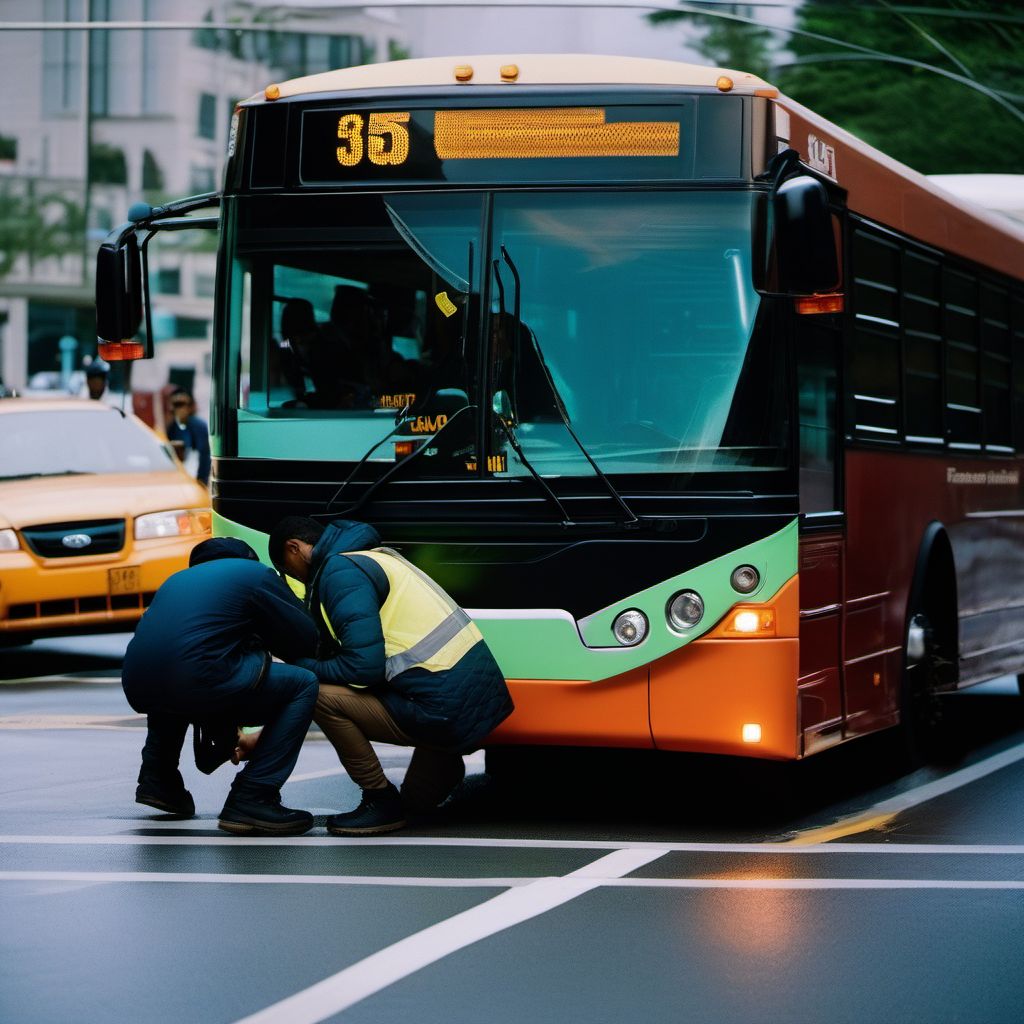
603, 889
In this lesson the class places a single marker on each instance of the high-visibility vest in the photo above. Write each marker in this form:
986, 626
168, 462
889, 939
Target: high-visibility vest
423, 627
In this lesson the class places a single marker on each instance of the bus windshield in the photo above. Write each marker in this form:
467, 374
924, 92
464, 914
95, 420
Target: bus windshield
631, 314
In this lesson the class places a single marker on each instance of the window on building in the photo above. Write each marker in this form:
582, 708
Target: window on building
107, 164
204, 286
8, 149
207, 128
202, 179
168, 281
62, 58
152, 175
192, 327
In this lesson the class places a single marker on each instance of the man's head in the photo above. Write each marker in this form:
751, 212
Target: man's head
221, 547
291, 546
96, 374
298, 321
182, 404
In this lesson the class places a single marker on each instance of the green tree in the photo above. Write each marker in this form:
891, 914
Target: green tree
726, 43
38, 227
930, 122
934, 124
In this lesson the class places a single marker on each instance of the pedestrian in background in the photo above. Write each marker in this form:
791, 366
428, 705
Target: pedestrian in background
192, 432
96, 376
399, 662
201, 652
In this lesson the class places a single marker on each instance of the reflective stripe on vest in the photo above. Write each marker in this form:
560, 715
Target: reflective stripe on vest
423, 627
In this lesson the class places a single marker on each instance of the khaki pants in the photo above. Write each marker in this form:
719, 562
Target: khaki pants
351, 718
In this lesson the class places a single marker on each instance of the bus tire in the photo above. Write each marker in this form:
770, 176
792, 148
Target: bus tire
930, 655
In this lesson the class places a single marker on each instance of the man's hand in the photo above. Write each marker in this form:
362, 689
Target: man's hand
246, 744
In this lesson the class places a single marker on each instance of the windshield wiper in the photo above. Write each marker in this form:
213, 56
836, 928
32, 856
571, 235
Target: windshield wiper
393, 471
62, 472
631, 518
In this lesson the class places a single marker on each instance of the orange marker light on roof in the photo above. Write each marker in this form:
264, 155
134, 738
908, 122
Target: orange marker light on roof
272, 92
768, 94
509, 72
463, 73
724, 83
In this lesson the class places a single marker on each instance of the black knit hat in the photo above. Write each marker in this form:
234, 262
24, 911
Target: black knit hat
221, 547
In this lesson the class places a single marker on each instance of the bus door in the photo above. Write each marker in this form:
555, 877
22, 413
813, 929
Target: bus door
822, 535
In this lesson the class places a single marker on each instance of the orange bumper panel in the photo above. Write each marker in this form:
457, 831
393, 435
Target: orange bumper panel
703, 695
610, 713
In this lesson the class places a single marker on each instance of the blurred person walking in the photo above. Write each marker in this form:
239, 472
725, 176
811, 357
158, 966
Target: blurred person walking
192, 432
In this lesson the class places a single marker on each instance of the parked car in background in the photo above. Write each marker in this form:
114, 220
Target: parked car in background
95, 513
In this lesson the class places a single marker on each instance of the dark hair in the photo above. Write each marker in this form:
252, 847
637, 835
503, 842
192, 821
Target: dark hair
182, 393
309, 531
221, 547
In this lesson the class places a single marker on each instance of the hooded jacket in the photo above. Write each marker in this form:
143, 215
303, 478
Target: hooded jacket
439, 682
207, 635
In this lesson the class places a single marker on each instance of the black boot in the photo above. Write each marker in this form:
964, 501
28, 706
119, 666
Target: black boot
257, 810
380, 810
166, 792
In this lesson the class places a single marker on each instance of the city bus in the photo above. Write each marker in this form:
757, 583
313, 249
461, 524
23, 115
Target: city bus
707, 412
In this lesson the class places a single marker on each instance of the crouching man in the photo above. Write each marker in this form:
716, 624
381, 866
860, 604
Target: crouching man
202, 651
400, 663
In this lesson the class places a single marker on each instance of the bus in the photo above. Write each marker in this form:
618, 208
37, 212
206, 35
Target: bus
708, 413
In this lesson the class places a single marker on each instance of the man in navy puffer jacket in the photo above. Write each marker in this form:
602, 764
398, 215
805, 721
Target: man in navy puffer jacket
203, 651
400, 662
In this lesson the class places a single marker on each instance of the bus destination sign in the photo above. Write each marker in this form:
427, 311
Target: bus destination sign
342, 146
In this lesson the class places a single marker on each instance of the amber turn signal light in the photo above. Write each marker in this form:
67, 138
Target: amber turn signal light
807, 304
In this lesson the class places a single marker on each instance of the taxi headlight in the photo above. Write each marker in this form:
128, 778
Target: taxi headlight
8, 540
685, 610
179, 522
630, 627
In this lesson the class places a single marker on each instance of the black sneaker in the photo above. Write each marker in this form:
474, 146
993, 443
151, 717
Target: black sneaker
380, 810
247, 812
166, 793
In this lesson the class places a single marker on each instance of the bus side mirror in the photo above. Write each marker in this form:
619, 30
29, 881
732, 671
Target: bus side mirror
805, 246
119, 296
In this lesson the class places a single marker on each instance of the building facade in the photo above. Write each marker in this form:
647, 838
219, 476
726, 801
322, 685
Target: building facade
98, 120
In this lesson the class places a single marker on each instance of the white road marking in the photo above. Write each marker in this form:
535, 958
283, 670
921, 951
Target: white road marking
127, 720
878, 815
260, 879
599, 875
402, 958
1005, 850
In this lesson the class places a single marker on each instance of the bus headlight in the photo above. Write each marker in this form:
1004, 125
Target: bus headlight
630, 627
685, 610
745, 579
180, 522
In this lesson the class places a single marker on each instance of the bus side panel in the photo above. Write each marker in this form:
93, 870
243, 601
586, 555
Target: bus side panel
891, 499
820, 683
608, 713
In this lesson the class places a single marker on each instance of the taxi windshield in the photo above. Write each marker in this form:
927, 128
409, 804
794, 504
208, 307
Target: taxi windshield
65, 442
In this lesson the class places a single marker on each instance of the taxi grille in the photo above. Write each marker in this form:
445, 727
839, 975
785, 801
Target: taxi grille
106, 536
80, 605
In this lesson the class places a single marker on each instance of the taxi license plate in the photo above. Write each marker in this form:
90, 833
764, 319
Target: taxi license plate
124, 580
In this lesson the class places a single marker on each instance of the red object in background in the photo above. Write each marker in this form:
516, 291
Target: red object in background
144, 406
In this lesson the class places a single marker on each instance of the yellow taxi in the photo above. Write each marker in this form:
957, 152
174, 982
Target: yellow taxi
95, 513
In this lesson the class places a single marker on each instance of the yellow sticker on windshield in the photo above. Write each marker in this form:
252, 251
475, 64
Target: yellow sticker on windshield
445, 304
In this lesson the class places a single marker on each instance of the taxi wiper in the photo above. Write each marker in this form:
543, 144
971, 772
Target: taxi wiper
62, 472
631, 518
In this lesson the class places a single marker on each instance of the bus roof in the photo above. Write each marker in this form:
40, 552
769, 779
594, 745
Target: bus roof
532, 69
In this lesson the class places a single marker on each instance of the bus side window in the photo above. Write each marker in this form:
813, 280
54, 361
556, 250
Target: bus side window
817, 382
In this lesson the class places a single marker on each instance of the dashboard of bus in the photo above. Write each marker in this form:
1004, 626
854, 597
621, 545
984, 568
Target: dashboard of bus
503, 332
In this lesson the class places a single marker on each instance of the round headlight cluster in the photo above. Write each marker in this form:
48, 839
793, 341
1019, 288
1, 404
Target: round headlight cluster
745, 579
630, 627
685, 610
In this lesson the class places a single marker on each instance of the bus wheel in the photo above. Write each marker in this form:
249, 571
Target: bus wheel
929, 669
